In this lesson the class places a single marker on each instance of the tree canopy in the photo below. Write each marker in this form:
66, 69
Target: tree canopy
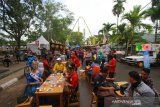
33, 18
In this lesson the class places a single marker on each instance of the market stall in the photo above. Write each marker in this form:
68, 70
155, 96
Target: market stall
38, 44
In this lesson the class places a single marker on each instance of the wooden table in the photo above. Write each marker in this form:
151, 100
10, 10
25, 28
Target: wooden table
119, 84
50, 88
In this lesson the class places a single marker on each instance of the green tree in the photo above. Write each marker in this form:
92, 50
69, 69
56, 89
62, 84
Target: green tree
75, 38
153, 13
56, 18
135, 18
16, 17
106, 30
118, 8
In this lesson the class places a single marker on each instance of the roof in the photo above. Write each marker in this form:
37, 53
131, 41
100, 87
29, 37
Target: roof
41, 40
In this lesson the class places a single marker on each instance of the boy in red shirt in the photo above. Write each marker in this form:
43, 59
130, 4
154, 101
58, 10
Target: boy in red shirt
112, 67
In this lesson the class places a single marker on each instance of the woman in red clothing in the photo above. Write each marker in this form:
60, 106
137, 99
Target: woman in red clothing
112, 66
72, 76
75, 60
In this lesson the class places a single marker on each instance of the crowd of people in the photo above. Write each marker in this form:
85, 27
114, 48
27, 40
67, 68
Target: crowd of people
100, 68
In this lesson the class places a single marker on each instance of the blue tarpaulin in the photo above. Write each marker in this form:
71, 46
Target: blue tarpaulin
77, 46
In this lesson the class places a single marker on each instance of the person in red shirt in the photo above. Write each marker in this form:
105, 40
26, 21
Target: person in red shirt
71, 84
72, 76
112, 66
46, 67
75, 60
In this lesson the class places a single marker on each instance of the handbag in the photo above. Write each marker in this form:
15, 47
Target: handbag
123, 88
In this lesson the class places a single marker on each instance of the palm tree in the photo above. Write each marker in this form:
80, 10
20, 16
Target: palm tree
135, 18
153, 13
118, 8
105, 31
107, 28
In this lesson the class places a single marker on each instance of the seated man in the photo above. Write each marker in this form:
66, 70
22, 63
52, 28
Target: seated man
138, 89
147, 79
59, 66
102, 88
95, 69
100, 81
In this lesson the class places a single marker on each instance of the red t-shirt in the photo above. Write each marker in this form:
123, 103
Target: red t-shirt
76, 61
112, 65
46, 64
73, 80
96, 70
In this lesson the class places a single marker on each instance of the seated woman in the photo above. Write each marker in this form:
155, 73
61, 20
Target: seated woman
72, 78
33, 80
71, 86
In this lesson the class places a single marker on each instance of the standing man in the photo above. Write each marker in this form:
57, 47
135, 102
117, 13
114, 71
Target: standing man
17, 52
112, 66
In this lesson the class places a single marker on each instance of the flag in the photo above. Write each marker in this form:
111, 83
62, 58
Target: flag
104, 37
138, 47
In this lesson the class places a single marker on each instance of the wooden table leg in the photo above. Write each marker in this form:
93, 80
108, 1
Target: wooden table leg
37, 100
61, 100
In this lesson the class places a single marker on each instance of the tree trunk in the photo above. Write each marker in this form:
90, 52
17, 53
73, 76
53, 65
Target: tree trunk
126, 48
132, 41
156, 30
18, 40
117, 29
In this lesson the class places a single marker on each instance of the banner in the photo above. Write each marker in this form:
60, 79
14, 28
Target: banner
146, 60
138, 47
146, 47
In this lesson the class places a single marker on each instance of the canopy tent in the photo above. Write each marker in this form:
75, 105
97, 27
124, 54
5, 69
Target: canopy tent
38, 44
77, 46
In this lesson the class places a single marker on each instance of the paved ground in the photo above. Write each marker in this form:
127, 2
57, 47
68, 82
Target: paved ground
8, 96
123, 69
13, 68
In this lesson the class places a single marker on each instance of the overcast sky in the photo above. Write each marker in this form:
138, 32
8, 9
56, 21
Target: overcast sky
97, 12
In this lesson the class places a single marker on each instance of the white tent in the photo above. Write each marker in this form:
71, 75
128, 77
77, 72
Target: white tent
41, 42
